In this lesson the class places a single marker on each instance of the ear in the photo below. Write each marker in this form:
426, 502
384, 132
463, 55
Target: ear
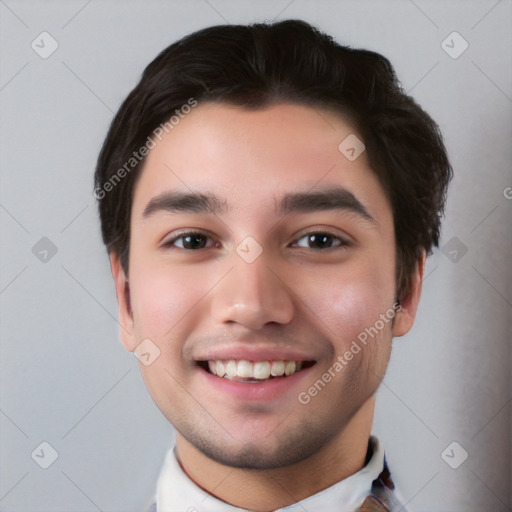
406, 313
123, 302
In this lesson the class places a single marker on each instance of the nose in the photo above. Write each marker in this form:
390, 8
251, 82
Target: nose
253, 295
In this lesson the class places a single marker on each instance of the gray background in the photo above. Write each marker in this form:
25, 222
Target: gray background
65, 378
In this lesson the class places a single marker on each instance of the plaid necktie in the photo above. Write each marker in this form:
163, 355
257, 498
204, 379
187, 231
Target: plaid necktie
381, 497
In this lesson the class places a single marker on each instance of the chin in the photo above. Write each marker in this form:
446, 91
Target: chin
290, 446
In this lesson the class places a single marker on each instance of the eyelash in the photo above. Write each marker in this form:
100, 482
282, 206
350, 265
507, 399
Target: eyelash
343, 242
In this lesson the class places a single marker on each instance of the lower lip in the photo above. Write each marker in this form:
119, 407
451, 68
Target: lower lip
264, 391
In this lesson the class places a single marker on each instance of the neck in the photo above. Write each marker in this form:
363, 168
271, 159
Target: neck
266, 490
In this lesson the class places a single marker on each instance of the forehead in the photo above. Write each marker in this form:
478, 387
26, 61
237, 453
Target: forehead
252, 157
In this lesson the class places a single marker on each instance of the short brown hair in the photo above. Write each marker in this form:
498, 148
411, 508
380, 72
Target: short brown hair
290, 61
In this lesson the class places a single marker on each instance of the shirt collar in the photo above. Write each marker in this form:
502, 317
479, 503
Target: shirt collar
176, 492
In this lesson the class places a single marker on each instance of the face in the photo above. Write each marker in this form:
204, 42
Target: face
259, 257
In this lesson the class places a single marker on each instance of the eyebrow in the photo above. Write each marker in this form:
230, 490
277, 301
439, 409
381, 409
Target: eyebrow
192, 202
332, 198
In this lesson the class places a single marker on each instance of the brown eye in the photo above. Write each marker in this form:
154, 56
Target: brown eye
320, 240
189, 241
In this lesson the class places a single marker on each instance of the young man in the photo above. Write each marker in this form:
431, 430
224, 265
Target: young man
267, 199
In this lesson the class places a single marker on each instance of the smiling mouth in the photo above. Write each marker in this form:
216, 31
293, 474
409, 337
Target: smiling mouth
253, 371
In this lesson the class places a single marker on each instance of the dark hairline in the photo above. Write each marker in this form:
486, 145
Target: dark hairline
290, 61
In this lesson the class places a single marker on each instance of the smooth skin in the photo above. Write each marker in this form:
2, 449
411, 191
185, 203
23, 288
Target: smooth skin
303, 296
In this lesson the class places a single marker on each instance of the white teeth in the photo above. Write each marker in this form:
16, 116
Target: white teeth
230, 367
244, 369
289, 368
261, 370
219, 368
277, 368
258, 370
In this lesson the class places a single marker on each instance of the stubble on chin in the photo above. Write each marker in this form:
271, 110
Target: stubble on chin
290, 445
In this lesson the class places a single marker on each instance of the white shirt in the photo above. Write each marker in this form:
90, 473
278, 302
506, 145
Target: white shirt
176, 492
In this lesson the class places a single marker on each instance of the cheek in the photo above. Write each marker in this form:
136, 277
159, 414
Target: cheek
357, 334
345, 310
351, 300
162, 297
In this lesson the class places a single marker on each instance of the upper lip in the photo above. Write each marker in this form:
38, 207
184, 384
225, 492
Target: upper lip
254, 354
